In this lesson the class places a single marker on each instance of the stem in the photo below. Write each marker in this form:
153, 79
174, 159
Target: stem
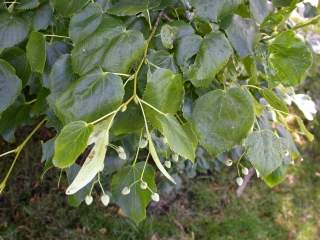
154, 108
144, 167
137, 153
113, 112
18, 151
145, 52
7, 153
252, 86
311, 21
56, 36
118, 74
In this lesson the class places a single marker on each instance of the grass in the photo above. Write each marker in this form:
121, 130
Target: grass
207, 209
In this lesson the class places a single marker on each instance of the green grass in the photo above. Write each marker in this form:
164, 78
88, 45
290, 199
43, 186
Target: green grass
207, 209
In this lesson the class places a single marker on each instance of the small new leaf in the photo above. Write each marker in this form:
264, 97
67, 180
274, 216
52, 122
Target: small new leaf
36, 52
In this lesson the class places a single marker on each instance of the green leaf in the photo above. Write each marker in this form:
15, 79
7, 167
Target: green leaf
274, 100
129, 8
103, 42
260, 9
13, 30
60, 78
186, 48
94, 162
27, 4
90, 97
214, 10
68, 8
70, 143
167, 34
47, 150
277, 176
134, 204
242, 33
162, 59
223, 118
84, 23
129, 121
18, 59
289, 58
265, 151
36, 52
42, 17
164, 90
180, 138
10, 85
214, 54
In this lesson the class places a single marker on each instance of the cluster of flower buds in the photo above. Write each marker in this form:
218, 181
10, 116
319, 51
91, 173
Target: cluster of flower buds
105, 199
144, 186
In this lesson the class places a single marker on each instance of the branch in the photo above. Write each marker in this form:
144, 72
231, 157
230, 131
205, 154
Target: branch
246, 181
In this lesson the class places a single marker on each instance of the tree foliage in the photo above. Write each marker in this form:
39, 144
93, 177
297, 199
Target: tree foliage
133, 86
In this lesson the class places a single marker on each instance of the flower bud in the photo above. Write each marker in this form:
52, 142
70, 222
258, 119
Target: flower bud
239, 181
143, 143
167, 164
175, 157
228, 162
88, 200
125, 191
105, 199
143, 185
155, 197
245, 171
258, 174
122, 155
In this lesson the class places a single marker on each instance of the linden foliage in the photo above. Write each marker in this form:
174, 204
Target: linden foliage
137, 88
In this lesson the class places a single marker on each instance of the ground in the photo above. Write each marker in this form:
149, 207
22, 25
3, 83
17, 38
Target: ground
207, 209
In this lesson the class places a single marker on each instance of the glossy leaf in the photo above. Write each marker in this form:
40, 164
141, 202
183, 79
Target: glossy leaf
274, 100
68, 8
265, 151
60, 78
42, 17
70, 143
214, 54
36, 52
223, 119
106, 44
277, 176
90, 97
129, 8
187, 47
260, 9
134, 204
13, 30
242, 34
180, 139
289, 58
214, 10
10, 85
164, 90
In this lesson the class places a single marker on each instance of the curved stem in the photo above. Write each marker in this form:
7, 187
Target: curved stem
56, 36
137, 153
18, 150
